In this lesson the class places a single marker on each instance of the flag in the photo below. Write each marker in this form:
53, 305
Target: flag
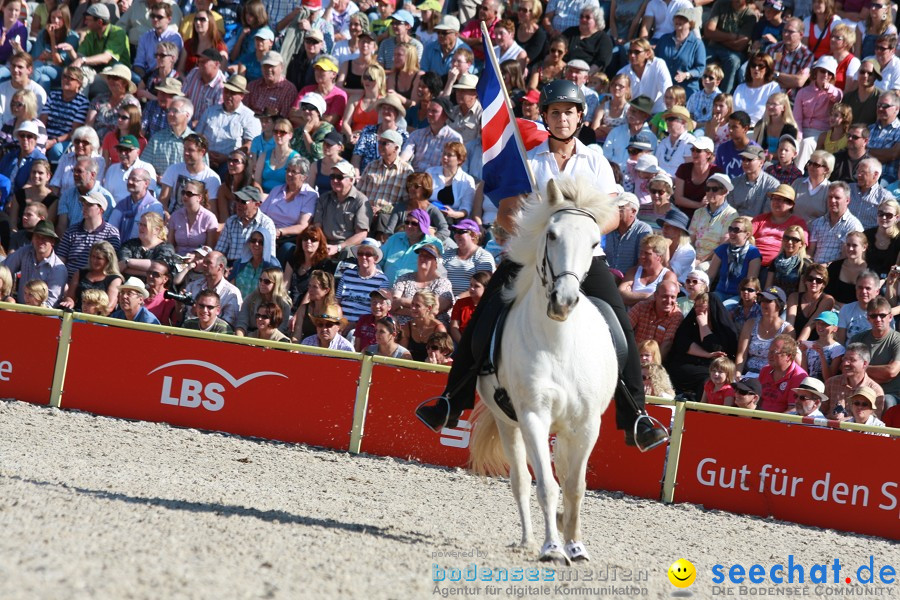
533, 133
505, 172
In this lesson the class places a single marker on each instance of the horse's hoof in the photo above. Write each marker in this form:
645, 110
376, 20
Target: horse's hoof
577, 552
553, 552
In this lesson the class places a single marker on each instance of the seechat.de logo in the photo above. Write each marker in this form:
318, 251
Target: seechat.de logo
193, 393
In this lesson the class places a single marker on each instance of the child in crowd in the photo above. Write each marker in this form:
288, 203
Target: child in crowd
6, 285
718, 389
464, 307
649, 353
95, 302
36, 293
700, 104
386, 332
822, 357
675, 95
835, 139
439, 347
657, 382
34, 213
783, 168
380, 306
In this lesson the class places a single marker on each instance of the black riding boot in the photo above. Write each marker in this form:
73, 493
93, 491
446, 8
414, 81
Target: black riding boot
459, 395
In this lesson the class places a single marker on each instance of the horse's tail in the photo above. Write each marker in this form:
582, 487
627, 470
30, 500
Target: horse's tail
486, 455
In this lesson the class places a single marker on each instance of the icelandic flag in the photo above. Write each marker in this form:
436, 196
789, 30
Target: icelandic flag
504, 172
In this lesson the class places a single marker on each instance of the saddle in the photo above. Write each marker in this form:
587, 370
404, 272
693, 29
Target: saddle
487, 336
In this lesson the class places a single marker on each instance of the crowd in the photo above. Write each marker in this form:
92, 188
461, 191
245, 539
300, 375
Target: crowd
311, 172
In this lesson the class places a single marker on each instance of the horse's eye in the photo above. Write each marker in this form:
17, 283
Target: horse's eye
595, 244
551, 236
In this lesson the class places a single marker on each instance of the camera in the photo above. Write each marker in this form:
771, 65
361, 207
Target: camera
839, 410
184, 298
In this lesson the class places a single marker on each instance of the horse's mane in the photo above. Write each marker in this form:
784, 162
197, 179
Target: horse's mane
535, 213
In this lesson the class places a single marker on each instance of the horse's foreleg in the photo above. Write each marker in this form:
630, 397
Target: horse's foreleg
536, 431
576, 450
519, 476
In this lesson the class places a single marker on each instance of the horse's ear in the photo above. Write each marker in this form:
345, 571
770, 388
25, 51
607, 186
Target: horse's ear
553, 194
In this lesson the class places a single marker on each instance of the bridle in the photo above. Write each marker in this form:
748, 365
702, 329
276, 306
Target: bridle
546, 266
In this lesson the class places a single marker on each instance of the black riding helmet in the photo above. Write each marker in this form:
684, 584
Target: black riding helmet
563, 90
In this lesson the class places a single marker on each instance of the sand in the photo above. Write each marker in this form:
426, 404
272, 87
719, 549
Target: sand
93, 507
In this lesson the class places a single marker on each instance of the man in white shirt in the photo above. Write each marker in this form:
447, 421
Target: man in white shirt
193, 167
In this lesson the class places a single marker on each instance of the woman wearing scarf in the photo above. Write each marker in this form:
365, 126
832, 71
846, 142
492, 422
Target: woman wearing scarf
734, 260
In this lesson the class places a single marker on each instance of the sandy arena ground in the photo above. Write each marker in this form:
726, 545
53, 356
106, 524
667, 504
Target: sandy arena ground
92, 507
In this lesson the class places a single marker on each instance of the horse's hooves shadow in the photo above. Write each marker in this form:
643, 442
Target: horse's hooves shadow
557, 558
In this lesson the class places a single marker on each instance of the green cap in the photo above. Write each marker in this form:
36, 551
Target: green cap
128, 141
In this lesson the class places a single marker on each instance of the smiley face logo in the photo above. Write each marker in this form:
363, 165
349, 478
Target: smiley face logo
682, 573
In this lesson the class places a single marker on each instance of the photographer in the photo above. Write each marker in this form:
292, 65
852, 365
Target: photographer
214, 279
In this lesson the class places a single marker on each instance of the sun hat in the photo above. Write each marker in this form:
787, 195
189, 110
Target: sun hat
369, 243
723, 180
826, 63
682, 113
135, 284
429, 249
314, 99
647, 163
119, 70
236, 83
128, 141
331, 314
170, 85
812, 386
95, 198
867, 393
676, 218
422, 218
829, 317
685, 12
662, 177
875, 66
701, 275
272, 58
785, 191
394, 101
448, 23
643, 104
391, 135
45, 228
643, 140
28, 127
466, 81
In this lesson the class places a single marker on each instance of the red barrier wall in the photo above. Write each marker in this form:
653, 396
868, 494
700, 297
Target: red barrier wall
832, 479
27, 356
211, 385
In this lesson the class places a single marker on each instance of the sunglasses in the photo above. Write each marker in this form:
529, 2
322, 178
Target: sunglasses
255, 241
670, 119
235, 161
815, 164
262, 317
735, 230
885, 105
160, 55
27, 136
792, 240
411, 223
209, 307
885, 215
368, 78
884, 48
691, 281
189, 193
708, 77
659, 191
308, 106
816, 280
750, 290
862, 405
325, 324
123, 117
715, 189
157, 17
633, 151
854, 137
365, 255
879, 316
337, 177
281, 132
16, 104
757, 66
800, 398
434, 348
201, 19
154, 274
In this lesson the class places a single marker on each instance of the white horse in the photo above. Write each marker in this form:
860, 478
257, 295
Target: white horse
558, 365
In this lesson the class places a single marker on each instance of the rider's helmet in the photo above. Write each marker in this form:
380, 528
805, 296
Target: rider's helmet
562, 90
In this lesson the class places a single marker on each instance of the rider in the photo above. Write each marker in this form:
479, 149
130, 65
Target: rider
562, 106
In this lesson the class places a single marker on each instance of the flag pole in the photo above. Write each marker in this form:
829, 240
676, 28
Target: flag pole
489, 55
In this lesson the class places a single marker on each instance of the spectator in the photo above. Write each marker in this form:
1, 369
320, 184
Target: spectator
23, 107
884, 133
866, 195
757, 335
425, 146
768, 29
709, 226
840, 388
379, 308
36, 293
16, 164
839, 120
238, 176
747, 307
166, 147
325, 70
136, 19
138, 254
406, 78
385, 343
728, 154
628, 141
132, 295
788, 267
812, 106
34, 213
440, 348
863, 409
648, 74
129, 210
229, 126
205, 83
753, 185
782, 167
794, 58
683, 52
769, 228
735, 260
438, 54
311, 254
272, 165
706, 333
884, 346
38, 261
465, 306
884, 240
623, 243
886, 55
383, 180
657, 317
207, 307
675, 149
842, 273
780, 375
691, 177
853, 317
401, 248
728, 32
21, 66
390, 111
193, 225
74, 249
128, 124
863, 100
716, 128
421, 323
813, 300
827, 233
812, 192
160, 18
267, 317
428, 276
509, 51
822, 358
239, 227
553, 65
257, 255
272, 90
660, 188
104, 112
155, 116
847, 160
577, 72
759, 84
611, 112
357, 283
641, 281
719, 389
695, 284
344, 213
214, 279
747, 393
402, 23
15, 34
777, 122
193, 168
166, 56
65, 111
102, 273
290, 206
468, 257
328, 325
208, 37
700, 103
117, 176
95, 302
319, 296
300, 66
362, 112
808, 397
310, 134
85, 144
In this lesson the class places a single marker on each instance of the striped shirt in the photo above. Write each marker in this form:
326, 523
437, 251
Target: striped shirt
830, 239
165, 149
865, 206
260, 95
235, 234
353, 292
76, 243
203, 95
62, 115
51, 271
885, 136
385, 184
460, 271
425, 148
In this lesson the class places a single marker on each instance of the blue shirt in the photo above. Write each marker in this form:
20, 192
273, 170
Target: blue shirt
689, 58
400, 256
142, 316
885, 137
433, 58
146, 50
729, 287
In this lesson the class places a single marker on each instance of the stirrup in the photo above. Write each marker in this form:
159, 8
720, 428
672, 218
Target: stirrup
444, 422
655, 424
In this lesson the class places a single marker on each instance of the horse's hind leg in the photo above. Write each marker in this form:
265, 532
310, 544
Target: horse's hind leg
573, 453
519, 477
536, 431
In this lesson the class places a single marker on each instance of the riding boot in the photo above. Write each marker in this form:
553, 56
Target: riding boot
459, 394
630, 390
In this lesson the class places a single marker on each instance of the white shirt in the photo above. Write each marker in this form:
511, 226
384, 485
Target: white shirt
753, 100
176, 174
116, 179
664, 15
6, 93
890, 76
653, 84
671, 156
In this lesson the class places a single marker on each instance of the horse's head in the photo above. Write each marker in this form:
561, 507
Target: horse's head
570, 237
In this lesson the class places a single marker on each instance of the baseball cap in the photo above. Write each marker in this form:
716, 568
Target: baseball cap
748, 384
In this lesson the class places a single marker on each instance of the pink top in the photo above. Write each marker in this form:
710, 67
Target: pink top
717, 397
812, 107
777, 395
188, 238
768, 235
335, 102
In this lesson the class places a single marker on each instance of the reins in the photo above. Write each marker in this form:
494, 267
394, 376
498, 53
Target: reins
546, 266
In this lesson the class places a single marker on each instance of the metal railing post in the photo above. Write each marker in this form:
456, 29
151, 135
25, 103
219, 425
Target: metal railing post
362, 403
668, 493
62, 360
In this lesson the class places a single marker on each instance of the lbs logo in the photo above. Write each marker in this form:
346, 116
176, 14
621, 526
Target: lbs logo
193, 393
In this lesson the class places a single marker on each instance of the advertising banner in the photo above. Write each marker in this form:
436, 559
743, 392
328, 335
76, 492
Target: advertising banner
211, 385
27, 356
833, 479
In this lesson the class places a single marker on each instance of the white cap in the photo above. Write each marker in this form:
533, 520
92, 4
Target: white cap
316, 100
